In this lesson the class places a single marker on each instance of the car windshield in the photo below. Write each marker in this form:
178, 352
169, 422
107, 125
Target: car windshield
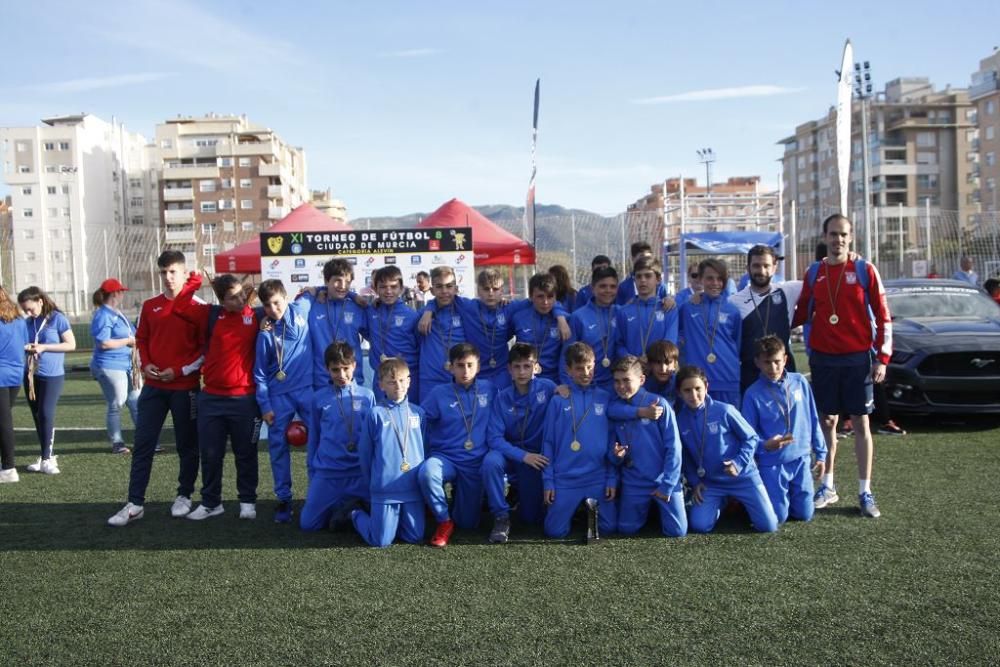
909, 304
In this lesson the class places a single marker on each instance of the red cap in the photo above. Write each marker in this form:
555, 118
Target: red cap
111, 285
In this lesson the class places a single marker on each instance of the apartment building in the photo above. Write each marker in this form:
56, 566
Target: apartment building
325, 203
984, 93
921, 147
82, 202
223, 180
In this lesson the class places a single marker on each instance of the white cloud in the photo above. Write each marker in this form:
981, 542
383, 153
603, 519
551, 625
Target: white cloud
97, 83
719, 94
411, 53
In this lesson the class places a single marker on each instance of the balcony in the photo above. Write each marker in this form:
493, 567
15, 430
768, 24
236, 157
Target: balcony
179, 215
179, 234
261, 148
178, 194
269, 169
186, 172
985, 85
276, 212
275, 191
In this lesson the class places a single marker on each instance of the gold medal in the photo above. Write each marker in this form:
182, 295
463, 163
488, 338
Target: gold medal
701, 472
575, 445
493, 363
605, 362
281, 375
469, 444
711, 357
404, 466
834, 319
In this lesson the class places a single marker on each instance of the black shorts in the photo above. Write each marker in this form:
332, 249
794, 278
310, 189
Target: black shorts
842, 388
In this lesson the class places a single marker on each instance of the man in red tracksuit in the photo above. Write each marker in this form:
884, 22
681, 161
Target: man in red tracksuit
850, 342
170, 353
227, 405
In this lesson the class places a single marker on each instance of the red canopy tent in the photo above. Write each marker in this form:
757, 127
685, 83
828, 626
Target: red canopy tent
245, 258
491, 245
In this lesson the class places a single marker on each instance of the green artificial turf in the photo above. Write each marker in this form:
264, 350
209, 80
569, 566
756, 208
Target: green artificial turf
917, 586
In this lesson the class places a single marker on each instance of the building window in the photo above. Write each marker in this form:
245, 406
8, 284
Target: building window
246, 203
51, 189
29, 256
53, 212
23, 169
227, 183
137, 220
925, 139
51, 169
227, 204
205, 143
135, 202
65, 189
246, 183
20, 146
49, 146
990, 130
64, 145
209, 227
991, 184
135, 182
225, 161
208, 250
206, 186
228, 226
247, 226
66, 212
27, 213
26, 190
56, 255
990, 107
29, 234
209, 207
245, 162
991, 158
927, 181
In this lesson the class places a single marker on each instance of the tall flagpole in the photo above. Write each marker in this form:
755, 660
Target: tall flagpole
528, 226
844, 126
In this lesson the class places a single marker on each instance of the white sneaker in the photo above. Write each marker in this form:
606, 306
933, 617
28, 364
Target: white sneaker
50, 466
248, 511
8, 476
202, 512
126, 515
36, 466
181, 507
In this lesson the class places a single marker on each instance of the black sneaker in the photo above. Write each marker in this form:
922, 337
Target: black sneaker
283, 513
119, 448
501, 530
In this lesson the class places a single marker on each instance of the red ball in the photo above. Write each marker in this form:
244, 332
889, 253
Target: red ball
297, 434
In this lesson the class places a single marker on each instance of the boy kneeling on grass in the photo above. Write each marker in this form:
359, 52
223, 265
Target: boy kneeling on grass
391, 451
577, 442
338, 413
718, 457
648, 451
780, 407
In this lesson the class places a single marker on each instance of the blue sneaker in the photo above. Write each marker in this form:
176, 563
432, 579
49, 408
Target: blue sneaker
868, 506
825, 496
283, 512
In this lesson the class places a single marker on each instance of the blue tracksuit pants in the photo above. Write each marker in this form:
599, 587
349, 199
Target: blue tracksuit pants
468, 491
285, 406
387, 520
560, 513
790, 488
529, 487
633, 510
749, 491
325, 494
153, 406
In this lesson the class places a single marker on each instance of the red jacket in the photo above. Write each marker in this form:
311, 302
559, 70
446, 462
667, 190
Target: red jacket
853, 331
168, 343
229, 358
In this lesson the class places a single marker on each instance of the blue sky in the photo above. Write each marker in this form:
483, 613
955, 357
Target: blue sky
401, 105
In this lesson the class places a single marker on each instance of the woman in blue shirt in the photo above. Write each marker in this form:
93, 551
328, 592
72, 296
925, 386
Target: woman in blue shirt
13, 338
111, 365
49, 339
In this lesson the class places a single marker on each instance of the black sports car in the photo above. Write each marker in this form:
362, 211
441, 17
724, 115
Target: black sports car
946, 348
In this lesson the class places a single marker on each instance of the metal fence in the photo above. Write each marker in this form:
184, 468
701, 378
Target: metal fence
904, 243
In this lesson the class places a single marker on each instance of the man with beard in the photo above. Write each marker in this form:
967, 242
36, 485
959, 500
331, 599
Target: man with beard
766, 309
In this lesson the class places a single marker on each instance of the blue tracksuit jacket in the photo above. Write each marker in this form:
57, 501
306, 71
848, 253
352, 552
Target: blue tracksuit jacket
596, 327
446, 428
642, 321
292, 333
338, 417
392, 331
653, 460
539, 330
714, 433
696, 325
380, 453
785, 406
590, 465
340, 321
517, 420
446, 331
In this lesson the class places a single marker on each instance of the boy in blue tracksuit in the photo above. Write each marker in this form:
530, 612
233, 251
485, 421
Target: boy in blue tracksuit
338, 413
577, 442
489, 325
335, 318
627, 289
648, 453
718, 462
445, 332
643, 319
596, 325
283, 374
515, 439
392, 329
457, 416
391, 451
710, 333
537, 326
586, 292
780, 407
661, 376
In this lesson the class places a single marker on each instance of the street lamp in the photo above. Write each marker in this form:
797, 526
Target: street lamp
863, 91
707, 156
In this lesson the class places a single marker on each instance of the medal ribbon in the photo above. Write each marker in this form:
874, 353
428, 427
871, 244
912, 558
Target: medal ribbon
279, 347
402, 439
643, 339
572, 414
785, 408
833, 293
715, 326
767, 311
469, 423
350, 413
